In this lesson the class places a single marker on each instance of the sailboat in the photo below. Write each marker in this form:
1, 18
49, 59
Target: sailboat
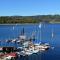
40, 25
52, 32
52, 38
44, 46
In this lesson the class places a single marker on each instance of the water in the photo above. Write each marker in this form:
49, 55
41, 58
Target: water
43, 34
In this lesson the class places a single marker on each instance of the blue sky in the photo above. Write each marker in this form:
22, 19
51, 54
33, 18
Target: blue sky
29, 7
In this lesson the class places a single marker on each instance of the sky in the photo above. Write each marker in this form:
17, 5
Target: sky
29, 7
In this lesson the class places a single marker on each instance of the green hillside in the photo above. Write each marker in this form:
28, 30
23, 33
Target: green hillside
30, 19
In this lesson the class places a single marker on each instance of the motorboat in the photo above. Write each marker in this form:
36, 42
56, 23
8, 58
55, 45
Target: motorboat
42, 47
9, 56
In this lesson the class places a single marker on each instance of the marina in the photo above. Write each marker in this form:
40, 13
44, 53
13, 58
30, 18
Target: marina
27, 47
28, 43
29, 29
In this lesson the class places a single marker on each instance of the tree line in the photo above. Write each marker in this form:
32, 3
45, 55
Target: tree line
29, 19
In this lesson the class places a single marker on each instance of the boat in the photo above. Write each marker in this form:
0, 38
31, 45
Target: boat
35, 51
13, 41
28, 47
29, 52
9, 56
26, 53
42, 47
22, 53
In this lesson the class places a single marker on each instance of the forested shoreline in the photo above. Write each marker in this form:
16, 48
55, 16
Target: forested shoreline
30, 19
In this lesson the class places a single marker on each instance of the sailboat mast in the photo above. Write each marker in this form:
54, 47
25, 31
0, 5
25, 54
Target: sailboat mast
40, 31
22, 32
52, 32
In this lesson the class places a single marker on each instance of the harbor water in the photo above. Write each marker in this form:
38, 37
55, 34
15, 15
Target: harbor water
47, 33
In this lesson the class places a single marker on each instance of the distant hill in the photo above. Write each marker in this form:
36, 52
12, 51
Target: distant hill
30, 19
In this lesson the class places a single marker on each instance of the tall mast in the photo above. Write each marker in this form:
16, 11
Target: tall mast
40, 25
52, 34
22, 32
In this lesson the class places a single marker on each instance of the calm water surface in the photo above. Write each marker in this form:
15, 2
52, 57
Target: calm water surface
13, 31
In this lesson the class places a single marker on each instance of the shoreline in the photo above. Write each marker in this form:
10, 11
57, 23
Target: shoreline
20, 24
29, 23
